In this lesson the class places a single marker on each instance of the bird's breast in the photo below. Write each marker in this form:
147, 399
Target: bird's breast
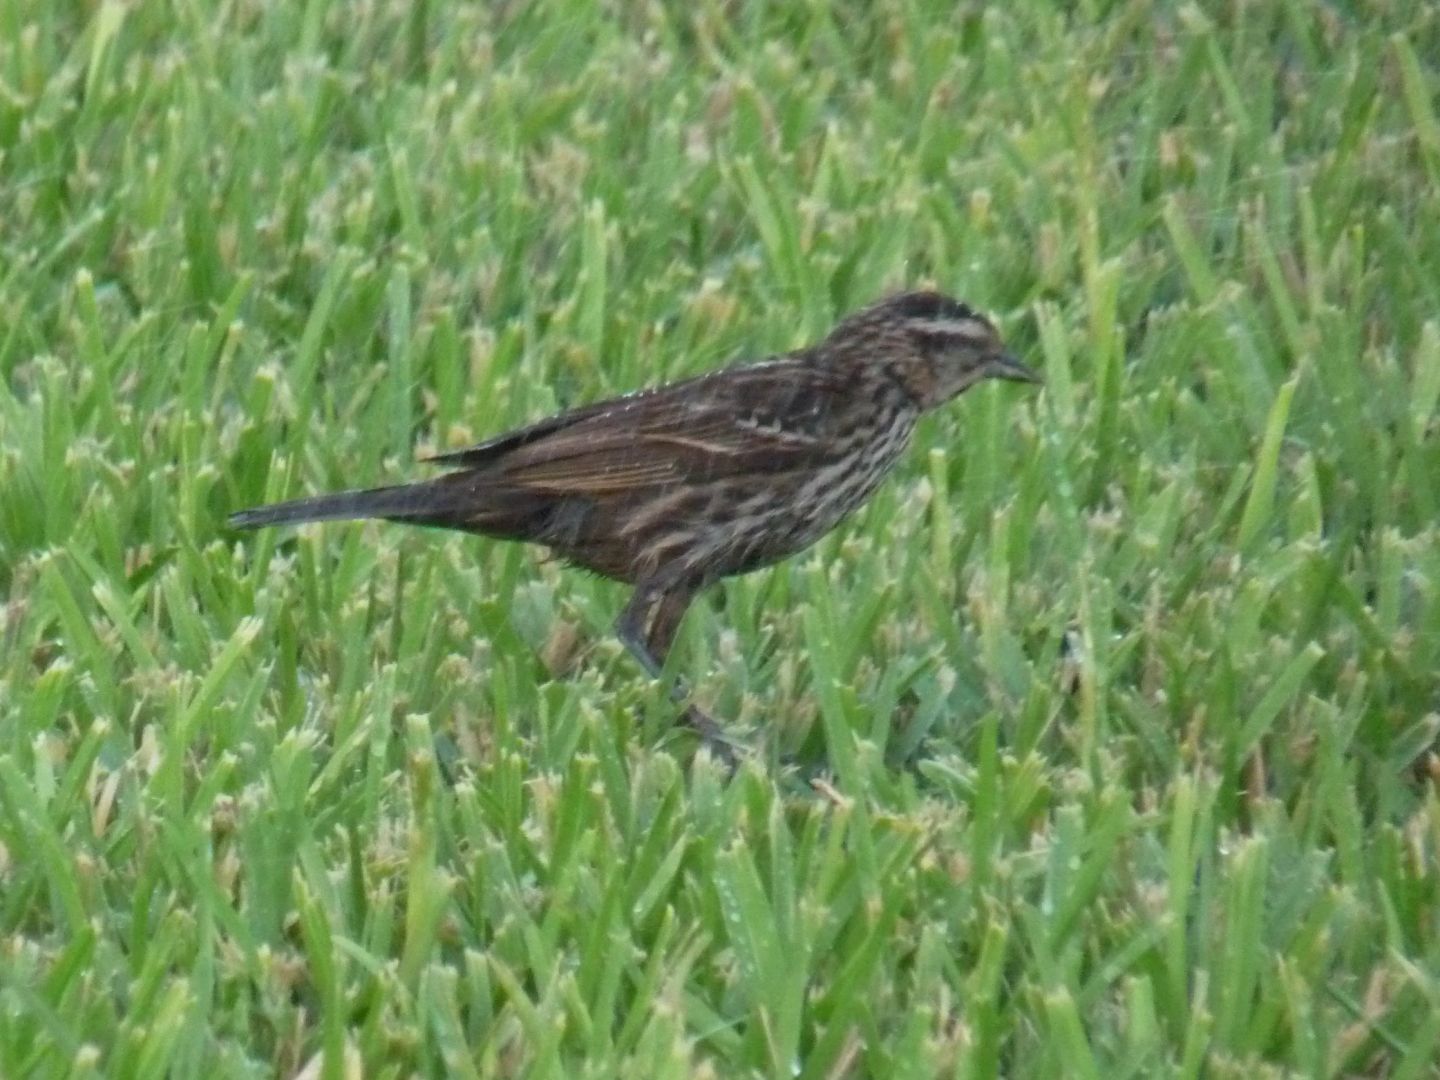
759, 522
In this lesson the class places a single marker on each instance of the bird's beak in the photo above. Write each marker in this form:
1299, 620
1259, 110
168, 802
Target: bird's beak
1004, 366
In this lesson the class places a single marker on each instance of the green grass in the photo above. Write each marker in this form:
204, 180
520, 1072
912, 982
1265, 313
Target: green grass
1102, 744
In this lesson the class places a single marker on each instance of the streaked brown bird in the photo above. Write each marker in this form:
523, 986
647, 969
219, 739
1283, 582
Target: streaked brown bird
673, 488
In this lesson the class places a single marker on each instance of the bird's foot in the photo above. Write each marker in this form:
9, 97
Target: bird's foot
712, 736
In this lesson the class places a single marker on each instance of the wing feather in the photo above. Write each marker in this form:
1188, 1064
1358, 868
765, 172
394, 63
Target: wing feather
771, 417
765, 418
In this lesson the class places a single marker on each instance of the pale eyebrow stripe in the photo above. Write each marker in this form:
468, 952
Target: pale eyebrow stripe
971, 329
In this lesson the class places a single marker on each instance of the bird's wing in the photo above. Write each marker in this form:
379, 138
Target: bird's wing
765, 418
492, 450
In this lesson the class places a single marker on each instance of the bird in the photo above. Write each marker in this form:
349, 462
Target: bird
671, 489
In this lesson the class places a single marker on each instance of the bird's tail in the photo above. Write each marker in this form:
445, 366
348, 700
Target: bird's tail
401, 501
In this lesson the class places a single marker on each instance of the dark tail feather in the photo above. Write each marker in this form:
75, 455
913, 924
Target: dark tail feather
402, 501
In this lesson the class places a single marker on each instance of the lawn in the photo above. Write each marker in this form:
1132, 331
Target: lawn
1103, 743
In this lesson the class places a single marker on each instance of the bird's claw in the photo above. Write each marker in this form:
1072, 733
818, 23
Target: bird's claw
712, 736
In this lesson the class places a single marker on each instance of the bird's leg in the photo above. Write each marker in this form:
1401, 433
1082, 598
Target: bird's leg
662, 608
670, 609
648, 624
633, 628
668, 614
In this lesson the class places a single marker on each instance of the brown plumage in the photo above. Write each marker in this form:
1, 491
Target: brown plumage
671, 489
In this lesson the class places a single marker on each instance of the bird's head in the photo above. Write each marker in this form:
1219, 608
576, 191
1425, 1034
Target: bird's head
936, 346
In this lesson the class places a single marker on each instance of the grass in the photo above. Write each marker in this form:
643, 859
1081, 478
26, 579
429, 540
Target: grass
1102, 744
